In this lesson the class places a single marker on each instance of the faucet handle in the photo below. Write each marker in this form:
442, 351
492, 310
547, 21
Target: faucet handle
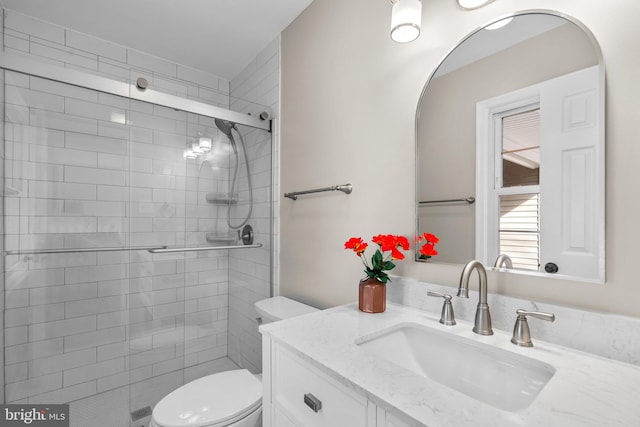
447, 317
521, 333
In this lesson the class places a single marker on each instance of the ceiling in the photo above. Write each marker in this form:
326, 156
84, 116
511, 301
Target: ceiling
217, 36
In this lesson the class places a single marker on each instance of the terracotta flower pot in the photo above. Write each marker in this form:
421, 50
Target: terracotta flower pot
372, 297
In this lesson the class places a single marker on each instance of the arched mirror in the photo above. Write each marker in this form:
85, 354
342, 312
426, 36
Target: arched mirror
510, 149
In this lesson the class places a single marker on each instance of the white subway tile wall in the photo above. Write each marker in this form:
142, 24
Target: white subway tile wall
4, 336
254, 90
50, 43
116, 331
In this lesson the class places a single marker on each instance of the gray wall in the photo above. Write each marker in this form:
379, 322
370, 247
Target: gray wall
349, 98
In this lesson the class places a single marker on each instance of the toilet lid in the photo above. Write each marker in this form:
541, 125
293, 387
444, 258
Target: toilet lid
210, 400
278, 308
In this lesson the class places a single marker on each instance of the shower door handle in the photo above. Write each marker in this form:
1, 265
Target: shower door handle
203, 248
81, 250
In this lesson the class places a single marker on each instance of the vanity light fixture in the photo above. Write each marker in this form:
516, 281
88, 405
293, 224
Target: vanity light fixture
406, 16
473, 4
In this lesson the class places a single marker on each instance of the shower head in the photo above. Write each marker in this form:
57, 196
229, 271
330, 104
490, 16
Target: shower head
225, 127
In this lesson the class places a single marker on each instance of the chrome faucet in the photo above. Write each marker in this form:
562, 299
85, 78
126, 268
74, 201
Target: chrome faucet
482, 325
503, 260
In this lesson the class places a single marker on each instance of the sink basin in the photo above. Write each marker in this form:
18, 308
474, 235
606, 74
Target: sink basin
500, 378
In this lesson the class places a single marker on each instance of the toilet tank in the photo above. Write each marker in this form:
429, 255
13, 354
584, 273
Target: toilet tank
278, 308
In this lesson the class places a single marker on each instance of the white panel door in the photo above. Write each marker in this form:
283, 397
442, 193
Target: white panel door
571, 174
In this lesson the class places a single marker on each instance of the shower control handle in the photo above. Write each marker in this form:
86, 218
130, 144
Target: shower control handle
246, 235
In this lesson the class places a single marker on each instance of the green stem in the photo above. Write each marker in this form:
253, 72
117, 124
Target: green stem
364, 261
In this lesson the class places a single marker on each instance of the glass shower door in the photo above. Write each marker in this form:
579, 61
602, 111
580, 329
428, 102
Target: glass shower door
158, 217
66, 273
178, 304
92, 318
92, 181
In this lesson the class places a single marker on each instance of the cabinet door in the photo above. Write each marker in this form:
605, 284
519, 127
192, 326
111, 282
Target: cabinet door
310, 398
572, 173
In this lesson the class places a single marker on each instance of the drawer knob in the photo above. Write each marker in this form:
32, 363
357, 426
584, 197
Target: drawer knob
312, 402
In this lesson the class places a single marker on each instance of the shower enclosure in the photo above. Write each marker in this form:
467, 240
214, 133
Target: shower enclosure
118, 274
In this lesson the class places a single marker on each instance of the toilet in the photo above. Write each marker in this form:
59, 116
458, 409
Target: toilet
226, 399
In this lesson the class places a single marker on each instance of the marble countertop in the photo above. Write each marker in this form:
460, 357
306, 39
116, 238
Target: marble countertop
586, 390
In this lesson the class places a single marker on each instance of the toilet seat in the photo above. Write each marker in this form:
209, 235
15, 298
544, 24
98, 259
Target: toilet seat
213, 401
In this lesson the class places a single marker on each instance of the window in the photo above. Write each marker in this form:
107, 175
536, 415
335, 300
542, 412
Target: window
518, 187
539, 169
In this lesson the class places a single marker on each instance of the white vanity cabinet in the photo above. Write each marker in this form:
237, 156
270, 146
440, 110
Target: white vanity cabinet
325, 355
297, 394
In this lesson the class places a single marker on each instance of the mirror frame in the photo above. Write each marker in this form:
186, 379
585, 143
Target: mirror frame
601, 227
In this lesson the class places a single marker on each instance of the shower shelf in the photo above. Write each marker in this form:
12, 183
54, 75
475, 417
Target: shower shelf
213, 238
222, 198
203, 248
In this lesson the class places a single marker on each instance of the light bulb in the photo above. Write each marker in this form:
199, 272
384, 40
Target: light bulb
196, 148
204, 143
473, 4
405, 20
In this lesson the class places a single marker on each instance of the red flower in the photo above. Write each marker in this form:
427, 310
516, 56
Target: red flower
379, 261
402, 242
389, 242
357, 244
396, 254
385, 241
431, 238
428, 250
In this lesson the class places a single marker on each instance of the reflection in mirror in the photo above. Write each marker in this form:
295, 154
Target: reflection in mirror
519, 227
513, 120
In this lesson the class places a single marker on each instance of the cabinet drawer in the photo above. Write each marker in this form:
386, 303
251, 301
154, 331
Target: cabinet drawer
294, 379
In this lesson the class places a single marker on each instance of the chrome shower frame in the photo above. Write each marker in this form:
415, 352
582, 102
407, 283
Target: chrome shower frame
73, 77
